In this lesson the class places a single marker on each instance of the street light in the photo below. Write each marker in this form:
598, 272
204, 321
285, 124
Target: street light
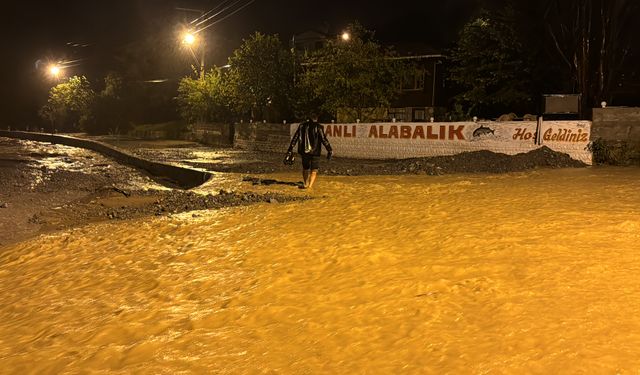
346, 36
54, 71
189, 39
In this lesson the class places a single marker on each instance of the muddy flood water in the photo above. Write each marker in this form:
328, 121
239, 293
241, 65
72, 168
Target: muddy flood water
534, 272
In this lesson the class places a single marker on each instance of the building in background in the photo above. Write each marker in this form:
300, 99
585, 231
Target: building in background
424, 95
423, 92
310, 40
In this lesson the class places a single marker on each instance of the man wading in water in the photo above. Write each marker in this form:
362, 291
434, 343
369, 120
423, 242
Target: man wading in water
310, 137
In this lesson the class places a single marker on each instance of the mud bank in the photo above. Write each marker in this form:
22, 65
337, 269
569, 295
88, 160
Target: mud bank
170, 175
46, 188
240, 161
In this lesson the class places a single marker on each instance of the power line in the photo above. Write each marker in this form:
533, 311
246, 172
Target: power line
216, 14
208, 12
225, 17
120, 47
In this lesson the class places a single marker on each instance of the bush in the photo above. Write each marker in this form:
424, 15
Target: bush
609, 153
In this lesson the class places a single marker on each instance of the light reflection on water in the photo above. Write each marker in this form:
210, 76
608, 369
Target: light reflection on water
44, 159
531, 272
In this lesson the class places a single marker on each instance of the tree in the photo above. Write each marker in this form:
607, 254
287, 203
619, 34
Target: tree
593, 39
69, 104
490, 64
261, 76
205, 99
108, 111
357, 74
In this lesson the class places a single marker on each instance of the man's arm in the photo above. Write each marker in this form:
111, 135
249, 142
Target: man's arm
294, 140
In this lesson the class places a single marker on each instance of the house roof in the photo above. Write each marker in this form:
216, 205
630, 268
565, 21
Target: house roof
312, 34
415, 49
404, 50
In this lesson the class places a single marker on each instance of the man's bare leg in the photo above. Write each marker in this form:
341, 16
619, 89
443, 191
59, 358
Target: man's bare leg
305, 177
312, 178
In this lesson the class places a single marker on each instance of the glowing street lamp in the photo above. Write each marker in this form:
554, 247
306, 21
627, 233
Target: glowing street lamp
189, 39
54, 71
346, 36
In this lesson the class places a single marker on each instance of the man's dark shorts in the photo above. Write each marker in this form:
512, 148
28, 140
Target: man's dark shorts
310, 162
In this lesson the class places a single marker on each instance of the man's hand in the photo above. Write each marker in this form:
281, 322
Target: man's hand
288, 158
329, 155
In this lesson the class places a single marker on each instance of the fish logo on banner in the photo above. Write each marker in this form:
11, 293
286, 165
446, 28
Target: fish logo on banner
483, 132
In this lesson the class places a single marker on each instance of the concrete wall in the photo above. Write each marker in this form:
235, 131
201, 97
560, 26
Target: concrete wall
617, 124
149, 134
410, 140
413, 140
262, 137
183, 177
219, 135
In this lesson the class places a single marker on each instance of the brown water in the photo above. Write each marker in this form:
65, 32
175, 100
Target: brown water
536, 272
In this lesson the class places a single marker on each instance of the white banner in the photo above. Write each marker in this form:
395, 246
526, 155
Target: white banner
570, 137
412, 140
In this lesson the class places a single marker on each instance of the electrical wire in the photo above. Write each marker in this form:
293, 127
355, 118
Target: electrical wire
225, 17
217, 13
208, 12
77, 62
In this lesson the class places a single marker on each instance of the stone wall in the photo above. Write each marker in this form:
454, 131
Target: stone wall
617, 124
619, 129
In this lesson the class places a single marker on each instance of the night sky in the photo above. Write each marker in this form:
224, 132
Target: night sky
139, 36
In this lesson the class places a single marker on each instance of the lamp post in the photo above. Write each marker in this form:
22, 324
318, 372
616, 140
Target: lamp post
53, 71
189, 39
433, 86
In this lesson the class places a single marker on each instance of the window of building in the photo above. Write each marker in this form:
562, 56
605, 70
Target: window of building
414, 80
419, 114
397, 113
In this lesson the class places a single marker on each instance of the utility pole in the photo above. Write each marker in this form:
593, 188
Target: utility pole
202, 53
